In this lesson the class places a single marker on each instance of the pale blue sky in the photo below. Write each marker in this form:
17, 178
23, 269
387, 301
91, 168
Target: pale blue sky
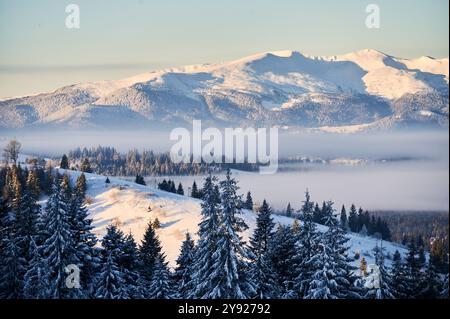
118, 38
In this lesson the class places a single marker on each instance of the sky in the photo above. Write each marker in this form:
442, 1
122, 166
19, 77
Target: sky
119, 38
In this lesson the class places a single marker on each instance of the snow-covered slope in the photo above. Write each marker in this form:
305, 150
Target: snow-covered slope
126, 205
283, 87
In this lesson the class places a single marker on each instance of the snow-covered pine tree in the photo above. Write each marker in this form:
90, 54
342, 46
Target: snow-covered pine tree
248, 201
27, 215
15, 242
36, 277
317, 215
110, 283
58, 247
282, 256
332, 277
184, 269
84, 242
148, 252
81, 186
161, 285
207, 233
64, 164
112, 243
343, 218
398, 276
381, 288
432, 283
306, 247
353, 219
129, 262
289, 210
139, 180
195, 192
48, 180
259, 242
180, 190
12, 268
413, 275
123, 251
325, 212
261, 272
228, 277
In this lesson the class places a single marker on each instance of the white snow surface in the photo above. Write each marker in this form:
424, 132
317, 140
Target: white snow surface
126, 204
365, 71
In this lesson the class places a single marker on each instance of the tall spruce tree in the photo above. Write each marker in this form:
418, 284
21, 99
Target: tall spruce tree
332, 277
228, 277
431, 283
413, 276
12, 268
129, 262
259, 242
306, 247
353, 219
194, 192
282, 256
81, 186
64, 164
184, 270
149, 251
30, 211
116, 263
248, 201
110, 284
382, 285
208, 236
26, 220
261, 272
398, 276
58, 247
84, 242
317, 214
180, 190
343, 219
160, 286
12, 261
36, 277
289, 210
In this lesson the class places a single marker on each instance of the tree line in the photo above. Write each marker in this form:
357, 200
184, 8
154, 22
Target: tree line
39, 247
108, 161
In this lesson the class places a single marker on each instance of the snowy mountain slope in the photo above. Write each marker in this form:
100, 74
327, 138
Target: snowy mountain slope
126, 205
284, 88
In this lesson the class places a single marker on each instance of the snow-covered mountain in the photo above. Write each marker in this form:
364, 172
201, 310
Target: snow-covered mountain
283, 88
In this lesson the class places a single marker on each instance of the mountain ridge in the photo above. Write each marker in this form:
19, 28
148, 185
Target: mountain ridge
286, 88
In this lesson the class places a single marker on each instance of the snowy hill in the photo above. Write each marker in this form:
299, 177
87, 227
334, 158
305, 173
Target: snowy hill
126, 204
284, 88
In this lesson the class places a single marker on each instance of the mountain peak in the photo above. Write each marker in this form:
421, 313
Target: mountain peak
251, 88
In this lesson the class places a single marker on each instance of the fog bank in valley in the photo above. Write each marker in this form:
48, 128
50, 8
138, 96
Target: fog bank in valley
417, 179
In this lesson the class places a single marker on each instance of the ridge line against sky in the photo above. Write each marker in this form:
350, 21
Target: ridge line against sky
121, 38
